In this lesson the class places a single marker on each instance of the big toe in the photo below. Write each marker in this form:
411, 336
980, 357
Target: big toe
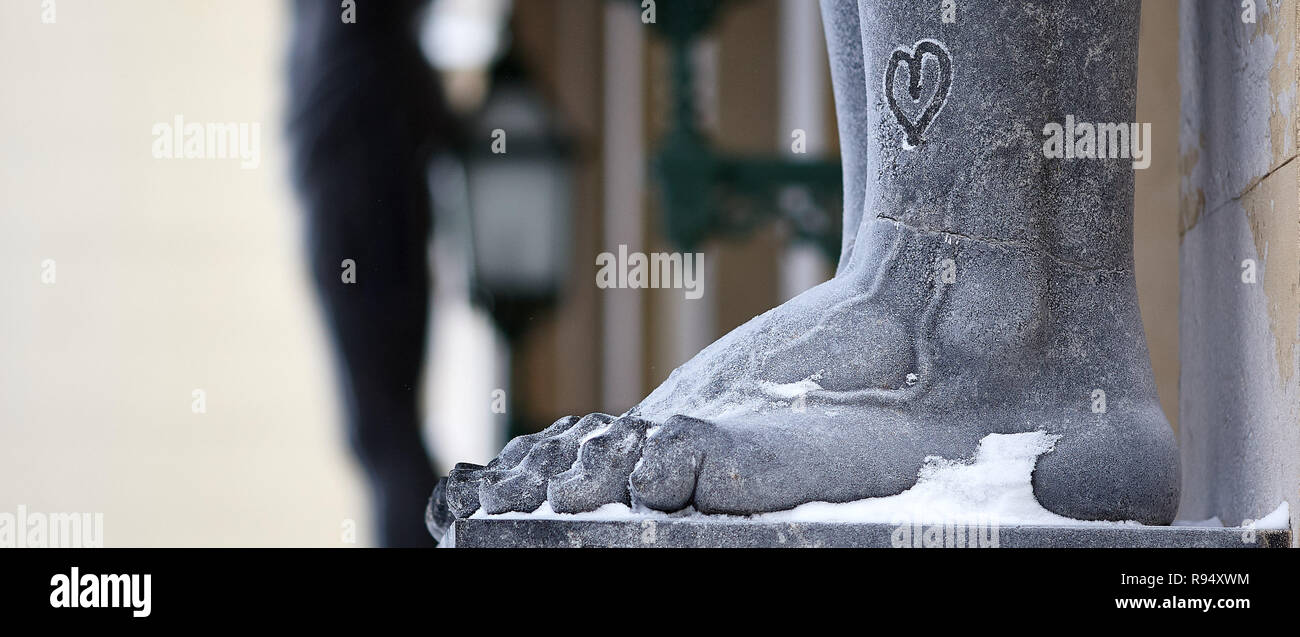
670, 462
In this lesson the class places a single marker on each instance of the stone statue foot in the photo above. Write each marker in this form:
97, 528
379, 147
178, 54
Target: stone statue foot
922, 345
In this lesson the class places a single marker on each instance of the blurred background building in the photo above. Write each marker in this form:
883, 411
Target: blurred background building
176, 276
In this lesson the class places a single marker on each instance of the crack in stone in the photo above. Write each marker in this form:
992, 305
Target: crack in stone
1005, 243
1259, 180
1236, 199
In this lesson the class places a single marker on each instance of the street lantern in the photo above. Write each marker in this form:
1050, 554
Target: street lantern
517, 175
519, 179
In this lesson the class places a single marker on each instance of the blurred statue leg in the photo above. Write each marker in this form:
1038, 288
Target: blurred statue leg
362, 120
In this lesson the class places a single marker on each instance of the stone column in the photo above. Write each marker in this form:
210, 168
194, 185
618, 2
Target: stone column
1239, 410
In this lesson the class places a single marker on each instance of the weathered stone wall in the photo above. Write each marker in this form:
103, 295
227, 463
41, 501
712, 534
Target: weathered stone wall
1239, 410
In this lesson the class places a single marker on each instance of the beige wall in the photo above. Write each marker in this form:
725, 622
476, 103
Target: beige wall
171, 276
1155, 206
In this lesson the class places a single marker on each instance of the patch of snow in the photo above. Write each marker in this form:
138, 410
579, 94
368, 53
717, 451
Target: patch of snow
609, 512
1279, 519
1214, 523
596, 432
994, 487
790, 391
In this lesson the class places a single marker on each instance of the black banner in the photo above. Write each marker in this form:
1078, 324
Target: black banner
189, 587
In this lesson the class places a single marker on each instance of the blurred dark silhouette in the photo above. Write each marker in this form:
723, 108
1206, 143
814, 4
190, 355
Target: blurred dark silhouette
364, 116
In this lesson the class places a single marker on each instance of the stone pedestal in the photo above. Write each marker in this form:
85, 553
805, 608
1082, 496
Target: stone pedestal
690, 533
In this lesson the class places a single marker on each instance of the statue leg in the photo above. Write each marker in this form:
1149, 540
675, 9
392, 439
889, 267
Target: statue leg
987, 288
844, 41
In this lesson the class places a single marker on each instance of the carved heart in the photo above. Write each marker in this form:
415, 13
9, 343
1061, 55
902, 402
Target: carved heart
913, 59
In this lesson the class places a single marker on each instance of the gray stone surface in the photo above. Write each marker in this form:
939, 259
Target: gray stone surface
545, 533
984, 288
